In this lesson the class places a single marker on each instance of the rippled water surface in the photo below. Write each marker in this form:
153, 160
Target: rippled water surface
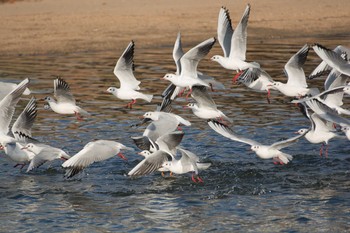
240, 192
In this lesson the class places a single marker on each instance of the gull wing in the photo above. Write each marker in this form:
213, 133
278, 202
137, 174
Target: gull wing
190, 60
124, 68
7, 106
23, 125
150, 164
239, 36
225, 31
201, 96
62, 91
294, 68
227, 132
178, 53
285, 143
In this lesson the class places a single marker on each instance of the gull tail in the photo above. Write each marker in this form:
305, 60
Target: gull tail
83, 112
146, 97
285, 158
203, 166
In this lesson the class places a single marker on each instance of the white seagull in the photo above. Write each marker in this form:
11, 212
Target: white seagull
123, 70
296, 85
65, 103
233, 42
333, 59
21, 131
323, 68
256, 79
188, 76
320, 131
262, 151
93, 152
205, 106
6, 88
43, 153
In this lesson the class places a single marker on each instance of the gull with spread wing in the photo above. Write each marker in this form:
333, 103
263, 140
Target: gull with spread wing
233, 42
129, 86
65, 101
262, 151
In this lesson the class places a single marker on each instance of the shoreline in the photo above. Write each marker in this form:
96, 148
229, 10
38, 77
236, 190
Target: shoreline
50, 27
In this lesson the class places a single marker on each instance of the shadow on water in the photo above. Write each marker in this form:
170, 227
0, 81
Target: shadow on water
241, 192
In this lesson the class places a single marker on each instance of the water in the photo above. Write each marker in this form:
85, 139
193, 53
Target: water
240, 192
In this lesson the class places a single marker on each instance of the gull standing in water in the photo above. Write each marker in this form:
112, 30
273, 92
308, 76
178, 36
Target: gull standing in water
262, 151
65, 103
233, 42
93, 152
123, 70
189, 76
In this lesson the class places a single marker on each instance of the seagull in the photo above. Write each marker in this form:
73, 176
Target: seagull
188, 76
21, 130
256, 79
43, 153
7, 110
233, 42
94, 151
6, 88
65, 103
162, 124
319, 132
129, 86
323, 68
163, 148
262, 151
189, 162
333, 59
296, 85
205, 106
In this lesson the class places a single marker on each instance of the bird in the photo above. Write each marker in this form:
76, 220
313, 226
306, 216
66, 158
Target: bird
333, 59
256, 79
262, 151
296, 85
189, 162
6, 88
21, 131
7, 107
323, 68
319, 132
43, 153
65, 102
233, 42
188, 76
129, 86
94, 151
205, 106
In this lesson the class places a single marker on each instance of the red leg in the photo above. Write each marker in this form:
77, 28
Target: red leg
236, 76
268, 96
77, 115
193, 179
189, 93
321, 150
122, 156
200, 179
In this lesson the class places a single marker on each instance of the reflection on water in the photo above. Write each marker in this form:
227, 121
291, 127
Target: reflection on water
241, 192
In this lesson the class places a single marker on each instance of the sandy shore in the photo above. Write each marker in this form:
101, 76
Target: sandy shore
46, 26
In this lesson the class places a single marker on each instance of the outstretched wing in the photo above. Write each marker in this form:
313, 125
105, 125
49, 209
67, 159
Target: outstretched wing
225, 31
62, 91
124, 69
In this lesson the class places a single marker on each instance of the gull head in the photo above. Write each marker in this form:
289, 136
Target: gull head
216, 58
151, 115
274, 85
345, 129
144, 153
255, 148
32, 148
301, 131
167, 164
190, 105
49, 99
169, 77
112, 90
347, 90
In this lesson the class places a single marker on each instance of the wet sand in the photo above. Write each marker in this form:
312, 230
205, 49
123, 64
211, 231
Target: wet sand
50, 26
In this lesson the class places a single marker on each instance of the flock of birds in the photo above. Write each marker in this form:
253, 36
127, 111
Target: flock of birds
160, 142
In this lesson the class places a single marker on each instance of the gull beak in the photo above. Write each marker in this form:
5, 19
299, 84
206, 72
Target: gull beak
24, 148
1, 147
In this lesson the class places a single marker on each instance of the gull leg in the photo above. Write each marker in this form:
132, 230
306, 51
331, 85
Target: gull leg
193, 178
321, 150
268, 96
77, 115
200, 179
327, 150
189, 93
237, 76
162, 173
121, 156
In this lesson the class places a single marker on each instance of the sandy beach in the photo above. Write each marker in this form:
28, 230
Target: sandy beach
50, 26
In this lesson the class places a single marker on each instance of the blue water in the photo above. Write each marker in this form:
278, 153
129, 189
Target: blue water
240, 192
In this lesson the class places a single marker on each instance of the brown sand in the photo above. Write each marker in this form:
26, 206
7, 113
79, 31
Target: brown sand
45, 26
